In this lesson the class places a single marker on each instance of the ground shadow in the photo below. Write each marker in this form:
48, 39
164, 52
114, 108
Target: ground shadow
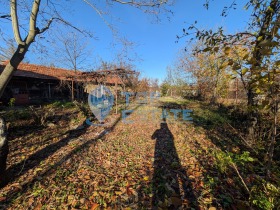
169, 179
51, 149
35, 159
22, 130
224, 128
225, 140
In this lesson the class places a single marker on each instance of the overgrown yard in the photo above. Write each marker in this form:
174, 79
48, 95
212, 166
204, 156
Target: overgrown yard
140, 163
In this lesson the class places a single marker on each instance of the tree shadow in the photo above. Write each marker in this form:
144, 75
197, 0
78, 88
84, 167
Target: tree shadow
31, 126
22, 130
171, 105
35, 159
44, 153
169, 179
219, 130
224, 140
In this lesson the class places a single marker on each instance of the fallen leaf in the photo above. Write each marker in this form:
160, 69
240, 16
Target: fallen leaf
146, 178
38, 207
176, 202
118, 192
94, 206
87, 177
2, 199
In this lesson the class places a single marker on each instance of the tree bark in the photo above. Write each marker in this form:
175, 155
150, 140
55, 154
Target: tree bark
5, 77
273, 139
4, 150
274, 110
252, 116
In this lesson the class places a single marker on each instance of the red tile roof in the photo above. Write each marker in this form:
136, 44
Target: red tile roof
46, 72
41, 72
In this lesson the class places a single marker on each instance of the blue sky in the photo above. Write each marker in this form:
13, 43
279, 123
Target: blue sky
154, 41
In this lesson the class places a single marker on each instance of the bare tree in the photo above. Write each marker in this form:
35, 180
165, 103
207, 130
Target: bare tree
71, 51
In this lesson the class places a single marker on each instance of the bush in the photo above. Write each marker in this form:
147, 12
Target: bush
265, 196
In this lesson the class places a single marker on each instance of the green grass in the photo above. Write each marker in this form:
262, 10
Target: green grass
179, 101
60, 104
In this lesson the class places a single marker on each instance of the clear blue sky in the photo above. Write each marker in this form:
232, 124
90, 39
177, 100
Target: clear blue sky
155, 42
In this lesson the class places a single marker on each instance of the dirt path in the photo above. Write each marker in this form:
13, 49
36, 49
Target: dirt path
142, 164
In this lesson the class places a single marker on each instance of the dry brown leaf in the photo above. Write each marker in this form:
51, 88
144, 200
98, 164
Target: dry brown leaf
87, 177
38, 207
94, 206
2, 199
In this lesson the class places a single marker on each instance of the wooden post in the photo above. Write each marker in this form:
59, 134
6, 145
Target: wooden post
72, 90
236, 90
125, 96
116, 91
49, 90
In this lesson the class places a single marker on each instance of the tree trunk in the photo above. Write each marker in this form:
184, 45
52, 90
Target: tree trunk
214, 95
273, 139
4, 150
274, 110
5, 77
252, 116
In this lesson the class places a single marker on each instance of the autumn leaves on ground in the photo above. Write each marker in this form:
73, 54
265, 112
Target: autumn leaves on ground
141, 162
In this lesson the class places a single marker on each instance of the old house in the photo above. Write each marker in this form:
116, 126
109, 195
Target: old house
33, 84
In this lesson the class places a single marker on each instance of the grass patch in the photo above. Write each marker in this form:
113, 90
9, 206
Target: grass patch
62, 104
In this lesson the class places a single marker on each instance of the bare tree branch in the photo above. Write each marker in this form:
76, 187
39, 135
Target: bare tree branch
15, 22
148, 4
99, 13
61, 20
32, 22
33, 15
47, 26
5, 16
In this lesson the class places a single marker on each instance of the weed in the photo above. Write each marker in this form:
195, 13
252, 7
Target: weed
40, 116
61, 104
12, 102
265, 195
83, 108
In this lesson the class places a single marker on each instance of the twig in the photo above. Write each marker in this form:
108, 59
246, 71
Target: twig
58, 19
242, 180
5, 16
138, 4
244, 140
22, 167
100, 14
